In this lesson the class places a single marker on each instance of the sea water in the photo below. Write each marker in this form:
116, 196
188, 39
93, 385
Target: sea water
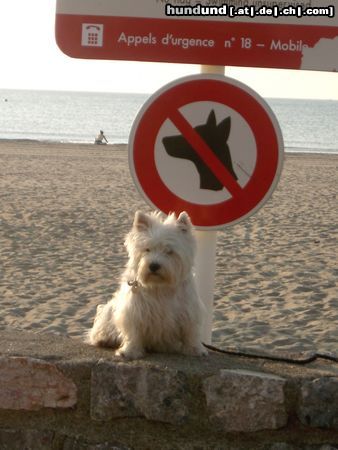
307, 125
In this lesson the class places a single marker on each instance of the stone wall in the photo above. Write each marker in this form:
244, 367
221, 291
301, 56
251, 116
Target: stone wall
57, 393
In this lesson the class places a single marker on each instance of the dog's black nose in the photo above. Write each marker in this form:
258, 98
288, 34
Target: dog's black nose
154, 267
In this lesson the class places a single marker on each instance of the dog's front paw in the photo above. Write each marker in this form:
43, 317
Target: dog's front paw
195, 350
129, 352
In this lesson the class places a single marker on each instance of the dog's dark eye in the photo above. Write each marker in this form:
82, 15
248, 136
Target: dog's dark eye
169, 251
147, 250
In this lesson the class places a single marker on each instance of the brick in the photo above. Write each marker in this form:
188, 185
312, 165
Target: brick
124, 390
31, 384
80, 444
240, 400
318, 404
11, 439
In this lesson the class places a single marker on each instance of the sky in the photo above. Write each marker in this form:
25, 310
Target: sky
30, 59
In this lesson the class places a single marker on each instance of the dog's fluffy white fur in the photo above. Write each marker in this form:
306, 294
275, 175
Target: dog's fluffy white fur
156, 307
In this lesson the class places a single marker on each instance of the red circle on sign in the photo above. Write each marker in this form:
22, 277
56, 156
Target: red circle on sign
165, 104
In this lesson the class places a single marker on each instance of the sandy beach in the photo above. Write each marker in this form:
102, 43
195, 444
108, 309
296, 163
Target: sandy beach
64, 211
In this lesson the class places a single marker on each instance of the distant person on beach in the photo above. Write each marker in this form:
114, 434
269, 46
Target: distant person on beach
100, 137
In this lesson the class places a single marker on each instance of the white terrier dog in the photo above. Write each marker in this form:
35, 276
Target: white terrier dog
156, 307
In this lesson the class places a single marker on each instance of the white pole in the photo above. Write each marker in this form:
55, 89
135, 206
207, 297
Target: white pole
206, 257
205, 276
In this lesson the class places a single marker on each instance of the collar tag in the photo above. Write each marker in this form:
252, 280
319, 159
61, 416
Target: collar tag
134, 284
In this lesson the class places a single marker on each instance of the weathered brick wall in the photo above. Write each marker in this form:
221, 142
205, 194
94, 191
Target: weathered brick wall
57, 393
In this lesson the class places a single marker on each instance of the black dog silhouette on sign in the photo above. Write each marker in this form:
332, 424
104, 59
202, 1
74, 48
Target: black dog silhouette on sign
215, 136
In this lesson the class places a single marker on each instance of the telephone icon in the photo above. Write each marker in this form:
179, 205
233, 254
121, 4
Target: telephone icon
92, 35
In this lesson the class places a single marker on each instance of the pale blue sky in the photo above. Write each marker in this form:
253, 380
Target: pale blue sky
31, 60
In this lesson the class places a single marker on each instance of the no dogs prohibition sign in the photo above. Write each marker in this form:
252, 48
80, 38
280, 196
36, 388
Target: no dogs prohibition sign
208, 145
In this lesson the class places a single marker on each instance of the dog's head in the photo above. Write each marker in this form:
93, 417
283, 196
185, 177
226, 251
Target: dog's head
216, 137
161, 250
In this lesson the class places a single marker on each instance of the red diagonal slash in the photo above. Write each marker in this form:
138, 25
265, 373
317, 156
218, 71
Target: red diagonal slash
205, 153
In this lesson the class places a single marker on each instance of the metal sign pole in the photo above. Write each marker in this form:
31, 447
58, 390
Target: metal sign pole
205, 263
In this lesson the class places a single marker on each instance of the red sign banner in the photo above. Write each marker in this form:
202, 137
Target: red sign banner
213, 32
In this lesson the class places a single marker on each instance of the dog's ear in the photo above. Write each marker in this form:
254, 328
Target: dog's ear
142, 222
184, 222
223, 128
211, 121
